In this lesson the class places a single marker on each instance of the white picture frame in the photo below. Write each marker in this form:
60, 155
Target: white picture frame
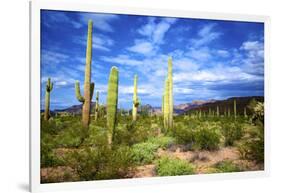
36, 6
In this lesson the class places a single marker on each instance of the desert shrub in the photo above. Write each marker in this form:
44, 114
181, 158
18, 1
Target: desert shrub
226, 166
207, 138
184, 134
47, 156
252, 147
162, 141
97, 136
101, 163
166, 166
72, 136
231, 131
131, 133
144, 153
49, 127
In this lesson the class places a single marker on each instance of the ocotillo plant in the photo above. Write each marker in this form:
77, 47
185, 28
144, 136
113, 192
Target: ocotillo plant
49, 87
112, 102
135, 99
218, 111
234, 108
97, 107
88, 86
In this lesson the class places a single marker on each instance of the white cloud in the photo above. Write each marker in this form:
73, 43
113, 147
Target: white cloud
142, 47
100, 21
52, 58
153, 35
206, 35
99, 42
122, 60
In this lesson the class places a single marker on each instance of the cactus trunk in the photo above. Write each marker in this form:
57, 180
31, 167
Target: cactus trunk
88, 86
245, 112
166, 104
97, 107
218, 111
171, 100
49, 87
234, 108
135, 99
112, 102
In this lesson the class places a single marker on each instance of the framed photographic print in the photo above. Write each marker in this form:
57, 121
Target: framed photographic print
123, 96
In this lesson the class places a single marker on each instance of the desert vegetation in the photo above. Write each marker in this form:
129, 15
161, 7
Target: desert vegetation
107, 142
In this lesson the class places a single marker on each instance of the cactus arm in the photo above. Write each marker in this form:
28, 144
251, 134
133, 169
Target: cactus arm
92, 88
78, 93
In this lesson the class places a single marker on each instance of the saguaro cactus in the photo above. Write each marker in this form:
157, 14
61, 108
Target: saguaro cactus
112, 102
218, 111
245, 112
135, 99
88, 86
97, 107
166, 104
234, 108
171, 98
49, 87
228, 112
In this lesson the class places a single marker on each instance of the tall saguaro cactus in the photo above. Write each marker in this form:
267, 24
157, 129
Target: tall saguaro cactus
88, 86
234, 108
49, 88
135, 99
218, 111
112, 102
97, 107
168, 102
245, 112
171, 98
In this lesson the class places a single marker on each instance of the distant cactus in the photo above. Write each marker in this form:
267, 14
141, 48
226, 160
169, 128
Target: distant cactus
234, 108
49, 87
97, 107
136, 101
168, 98
228, 112
88, 86
218, 111
245, 112
210, 112
112, 102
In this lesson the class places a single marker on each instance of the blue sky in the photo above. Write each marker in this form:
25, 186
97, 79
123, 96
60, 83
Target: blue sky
212, 59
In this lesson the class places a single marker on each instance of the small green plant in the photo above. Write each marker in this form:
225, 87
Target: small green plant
166, 166
144, 153
226, 166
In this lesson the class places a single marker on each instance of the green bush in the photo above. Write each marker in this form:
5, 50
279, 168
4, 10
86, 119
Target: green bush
231, 131
144, 153
72, 136
207, 138
184, 134
162, 142
101, 163
252, 147
172, 167
226, 166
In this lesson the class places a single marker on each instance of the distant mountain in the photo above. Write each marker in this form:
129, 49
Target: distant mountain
74, 109
224, 105
203, 105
